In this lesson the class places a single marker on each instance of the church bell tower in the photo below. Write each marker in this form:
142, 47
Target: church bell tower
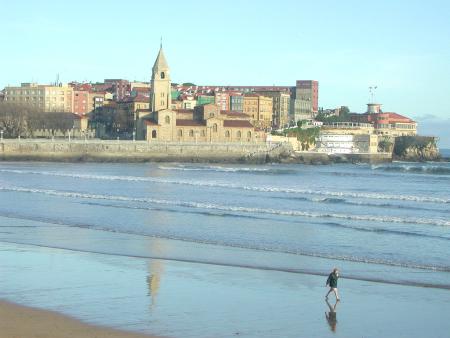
160, 92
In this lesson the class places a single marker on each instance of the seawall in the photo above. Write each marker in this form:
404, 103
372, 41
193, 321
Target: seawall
137, 151
142, 151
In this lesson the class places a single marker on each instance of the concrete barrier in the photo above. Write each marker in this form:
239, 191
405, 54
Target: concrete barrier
133, 151
142, 151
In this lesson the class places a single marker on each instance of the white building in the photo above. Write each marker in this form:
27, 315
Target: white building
346, 143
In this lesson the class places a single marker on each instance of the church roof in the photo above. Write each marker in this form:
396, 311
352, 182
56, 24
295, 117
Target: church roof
151, 123
160, 62
189, 123
234, 113
237, 124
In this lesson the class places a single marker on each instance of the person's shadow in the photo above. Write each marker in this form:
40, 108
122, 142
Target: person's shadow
331, 316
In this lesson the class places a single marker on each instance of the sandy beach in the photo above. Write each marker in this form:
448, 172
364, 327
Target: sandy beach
19, 322
200, 251
180, 299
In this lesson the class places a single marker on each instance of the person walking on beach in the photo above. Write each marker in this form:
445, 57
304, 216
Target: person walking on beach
332, 283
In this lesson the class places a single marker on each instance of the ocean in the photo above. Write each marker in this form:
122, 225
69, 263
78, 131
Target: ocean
383, 223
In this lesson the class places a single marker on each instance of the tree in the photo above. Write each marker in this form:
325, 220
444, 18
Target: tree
24, 120
343, 116
13, 119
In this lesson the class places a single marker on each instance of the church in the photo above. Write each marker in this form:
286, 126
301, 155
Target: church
206, 123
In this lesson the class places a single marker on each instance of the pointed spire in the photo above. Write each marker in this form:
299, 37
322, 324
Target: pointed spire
160, 62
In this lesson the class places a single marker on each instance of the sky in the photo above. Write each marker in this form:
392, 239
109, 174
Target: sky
400, 46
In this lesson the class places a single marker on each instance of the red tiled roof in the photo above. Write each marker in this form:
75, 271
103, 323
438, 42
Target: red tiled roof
138, 98
237, 124
187, 123
397, 117
141, 98
184, 110
234, 113
150, 123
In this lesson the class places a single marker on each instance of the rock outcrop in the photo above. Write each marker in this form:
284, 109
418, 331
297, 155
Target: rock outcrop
416, 149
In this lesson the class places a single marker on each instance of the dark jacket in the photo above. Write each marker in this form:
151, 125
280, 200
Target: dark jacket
332, 280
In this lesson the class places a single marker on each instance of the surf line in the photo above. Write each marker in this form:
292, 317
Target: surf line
240, 266
212, 184
202, 205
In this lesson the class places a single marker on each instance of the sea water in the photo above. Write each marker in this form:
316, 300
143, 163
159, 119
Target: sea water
386, 223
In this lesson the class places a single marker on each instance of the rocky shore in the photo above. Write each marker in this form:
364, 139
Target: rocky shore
416, 149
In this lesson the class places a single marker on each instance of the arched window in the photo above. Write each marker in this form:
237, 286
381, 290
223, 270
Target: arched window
153, 133
238, 134
163, 76
227, 134
180, 132
215, 127
249, 134
167, 119
191, 133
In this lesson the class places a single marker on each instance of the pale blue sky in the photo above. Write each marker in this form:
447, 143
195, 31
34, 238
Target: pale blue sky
402, 46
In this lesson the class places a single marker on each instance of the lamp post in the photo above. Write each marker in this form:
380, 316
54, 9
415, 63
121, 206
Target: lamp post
1, 134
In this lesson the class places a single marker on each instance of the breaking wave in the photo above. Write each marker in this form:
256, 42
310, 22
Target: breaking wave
213, 184
274, 171
363, 203
361, 228
415, 169
233, 244
212, 206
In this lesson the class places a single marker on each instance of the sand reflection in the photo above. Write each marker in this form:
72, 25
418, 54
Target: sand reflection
331, 315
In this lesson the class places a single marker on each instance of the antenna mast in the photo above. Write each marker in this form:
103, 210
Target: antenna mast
372, 93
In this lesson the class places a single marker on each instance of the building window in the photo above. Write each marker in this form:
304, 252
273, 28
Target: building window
238, 134
163, 76
203, 133
167, 119
191, 133
227, 134
180, 132
153, 133
249, 134
215, 127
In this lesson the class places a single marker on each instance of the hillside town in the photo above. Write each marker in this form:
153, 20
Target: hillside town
162, 111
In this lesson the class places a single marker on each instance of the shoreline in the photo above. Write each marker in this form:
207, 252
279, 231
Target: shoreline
140, 151
24, 321
192, 300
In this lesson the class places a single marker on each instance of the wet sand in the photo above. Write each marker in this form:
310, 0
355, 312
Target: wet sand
192, 300
20, 322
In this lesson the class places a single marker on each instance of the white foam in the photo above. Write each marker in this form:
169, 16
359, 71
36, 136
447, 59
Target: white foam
202, 205
214, 168
213, 184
